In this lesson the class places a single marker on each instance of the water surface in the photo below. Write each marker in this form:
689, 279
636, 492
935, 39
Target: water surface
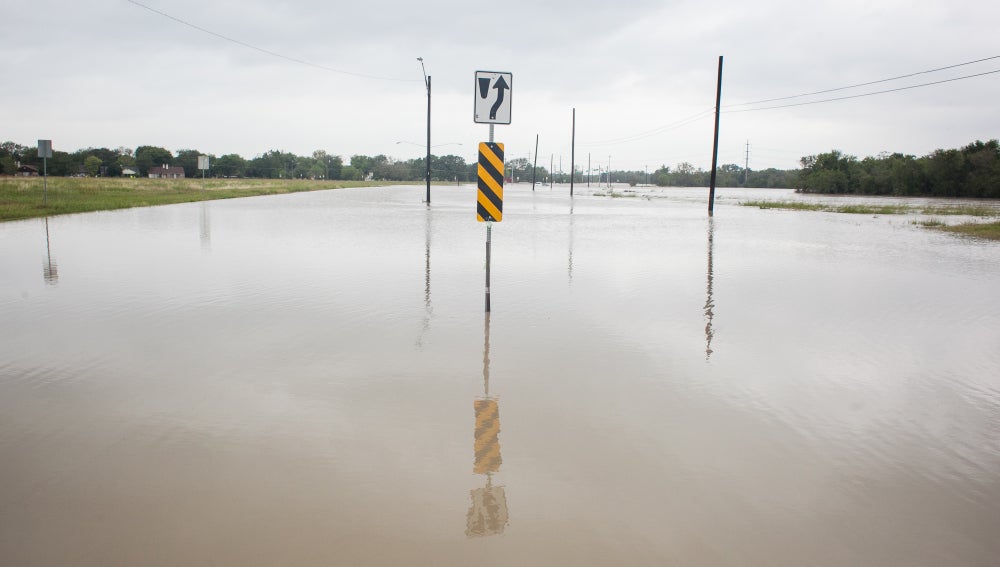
310, 379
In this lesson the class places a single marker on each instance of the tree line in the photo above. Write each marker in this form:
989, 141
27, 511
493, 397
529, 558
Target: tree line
271, 164
972, 171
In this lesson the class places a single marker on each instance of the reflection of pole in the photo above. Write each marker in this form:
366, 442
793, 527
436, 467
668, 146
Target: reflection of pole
489, 231
571, 241
50, 272
486, 356
709, 301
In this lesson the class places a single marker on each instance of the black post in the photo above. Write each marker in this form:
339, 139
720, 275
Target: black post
428, 139
489, 229
715, 144
572, 155
534, 168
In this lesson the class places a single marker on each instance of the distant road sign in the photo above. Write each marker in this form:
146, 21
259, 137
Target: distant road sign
489, 201
45, 148
202, 162
493, 96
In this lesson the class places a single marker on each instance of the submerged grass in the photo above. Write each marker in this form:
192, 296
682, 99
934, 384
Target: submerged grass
988, 230
23, 197
861, 209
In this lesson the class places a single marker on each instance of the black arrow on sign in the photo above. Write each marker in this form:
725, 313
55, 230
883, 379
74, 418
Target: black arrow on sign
500, 86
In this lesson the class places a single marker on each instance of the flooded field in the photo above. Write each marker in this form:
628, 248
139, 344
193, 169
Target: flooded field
311, 379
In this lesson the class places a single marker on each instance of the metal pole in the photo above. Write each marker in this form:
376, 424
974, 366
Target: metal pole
715, 143
489, 231
428, 139
534, 168
588, 169
609, 172
572, 155
551, 172
45, 181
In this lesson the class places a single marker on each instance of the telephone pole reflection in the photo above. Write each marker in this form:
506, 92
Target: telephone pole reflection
709, 301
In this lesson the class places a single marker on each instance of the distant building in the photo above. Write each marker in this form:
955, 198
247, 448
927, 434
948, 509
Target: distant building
27, 170
166, 172
129, 172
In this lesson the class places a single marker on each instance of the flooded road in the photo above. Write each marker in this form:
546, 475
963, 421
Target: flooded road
310, 379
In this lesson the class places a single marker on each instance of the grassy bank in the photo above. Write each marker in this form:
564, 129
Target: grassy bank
22, 197
987, 230
858, 209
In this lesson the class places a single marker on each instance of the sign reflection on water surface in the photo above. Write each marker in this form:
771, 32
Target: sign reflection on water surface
488, 513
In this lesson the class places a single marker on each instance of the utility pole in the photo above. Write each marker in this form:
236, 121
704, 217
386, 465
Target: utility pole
746, 168
427, 83
715, 144
572, 156
534, 168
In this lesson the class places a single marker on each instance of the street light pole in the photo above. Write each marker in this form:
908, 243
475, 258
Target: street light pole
427, 82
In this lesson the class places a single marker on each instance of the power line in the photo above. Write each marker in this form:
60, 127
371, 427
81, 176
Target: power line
266, 51
865, 94
867, 83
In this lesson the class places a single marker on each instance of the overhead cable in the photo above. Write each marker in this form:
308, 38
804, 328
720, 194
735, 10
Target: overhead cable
266, 51
864, 94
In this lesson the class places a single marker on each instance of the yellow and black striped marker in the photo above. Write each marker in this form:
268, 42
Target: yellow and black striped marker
487, 445
489, 202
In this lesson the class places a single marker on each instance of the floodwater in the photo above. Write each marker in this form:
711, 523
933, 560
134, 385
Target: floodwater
311, 379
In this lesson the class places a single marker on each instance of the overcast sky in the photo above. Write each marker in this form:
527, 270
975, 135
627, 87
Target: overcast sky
303, 75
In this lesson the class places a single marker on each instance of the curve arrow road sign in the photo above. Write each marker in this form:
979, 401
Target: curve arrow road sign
492, 97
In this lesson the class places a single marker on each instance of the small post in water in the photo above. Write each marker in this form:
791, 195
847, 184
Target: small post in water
489, 231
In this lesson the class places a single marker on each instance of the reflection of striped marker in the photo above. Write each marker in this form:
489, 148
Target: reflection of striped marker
489, 201
487, 443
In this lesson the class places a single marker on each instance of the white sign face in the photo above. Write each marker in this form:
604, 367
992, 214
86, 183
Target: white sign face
202, 162
492, 97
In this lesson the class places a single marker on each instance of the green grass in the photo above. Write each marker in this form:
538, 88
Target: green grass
988, 230
23, 197
858, 209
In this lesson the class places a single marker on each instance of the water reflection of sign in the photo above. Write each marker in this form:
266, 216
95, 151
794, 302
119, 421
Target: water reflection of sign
487, 444
488, 513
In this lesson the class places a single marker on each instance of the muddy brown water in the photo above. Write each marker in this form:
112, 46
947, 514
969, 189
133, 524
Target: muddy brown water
310, 379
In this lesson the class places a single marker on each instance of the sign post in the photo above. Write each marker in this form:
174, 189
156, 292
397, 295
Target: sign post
203, 165
45, 152
492, 102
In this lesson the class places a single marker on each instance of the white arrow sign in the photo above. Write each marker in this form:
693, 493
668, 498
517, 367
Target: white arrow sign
493, 95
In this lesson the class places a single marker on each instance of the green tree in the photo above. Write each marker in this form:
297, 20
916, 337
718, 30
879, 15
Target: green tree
149, 156
229, 165
92, 166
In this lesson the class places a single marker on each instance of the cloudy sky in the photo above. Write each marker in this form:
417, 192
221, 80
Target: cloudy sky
247, 76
